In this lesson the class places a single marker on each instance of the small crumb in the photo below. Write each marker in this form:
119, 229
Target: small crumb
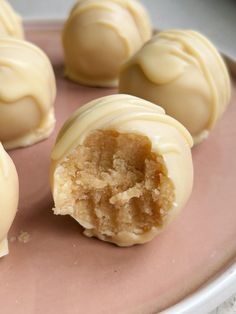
23, 237
175, 204
13, 239
162, 211
213, 254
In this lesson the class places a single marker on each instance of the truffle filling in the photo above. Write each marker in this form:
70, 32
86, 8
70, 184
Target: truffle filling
114, 183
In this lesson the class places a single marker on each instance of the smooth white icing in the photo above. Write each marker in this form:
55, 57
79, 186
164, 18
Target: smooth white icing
183, 72
27, 93
9, 195
10, 21
99, 36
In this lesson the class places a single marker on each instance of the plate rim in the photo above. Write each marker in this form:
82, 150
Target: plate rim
207, 297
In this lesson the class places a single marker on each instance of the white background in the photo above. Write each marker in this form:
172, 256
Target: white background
214, 18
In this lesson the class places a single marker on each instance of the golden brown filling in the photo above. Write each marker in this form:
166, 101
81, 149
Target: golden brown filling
114, 183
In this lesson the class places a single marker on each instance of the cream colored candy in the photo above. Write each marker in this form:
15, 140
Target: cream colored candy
27, 94
9, 190
122, 168
10, 21
183, 72
99, 36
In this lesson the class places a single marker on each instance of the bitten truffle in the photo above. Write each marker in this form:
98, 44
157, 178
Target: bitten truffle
10, 21
99, 36
27, 94
122, 168
9, 191
183, 72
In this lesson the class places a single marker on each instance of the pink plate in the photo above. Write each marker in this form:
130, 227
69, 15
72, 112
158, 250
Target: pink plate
60, 271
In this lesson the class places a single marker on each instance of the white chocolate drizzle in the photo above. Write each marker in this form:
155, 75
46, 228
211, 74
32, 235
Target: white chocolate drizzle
190, 48
111, 112
21, 78
10, 20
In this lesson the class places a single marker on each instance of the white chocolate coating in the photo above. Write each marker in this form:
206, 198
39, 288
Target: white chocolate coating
10, 21
128, 114
27, 94
184, 73
9, 194
99, 36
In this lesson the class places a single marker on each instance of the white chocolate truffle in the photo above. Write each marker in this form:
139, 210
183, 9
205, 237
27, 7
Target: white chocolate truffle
122, 168
99, 36
27, 94
183, 72
9, 195
10, 21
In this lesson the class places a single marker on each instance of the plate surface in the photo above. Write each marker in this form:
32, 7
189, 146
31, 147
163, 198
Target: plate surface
61, 271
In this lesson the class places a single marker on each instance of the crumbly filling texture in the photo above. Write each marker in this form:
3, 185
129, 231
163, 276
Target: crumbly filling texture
114, 183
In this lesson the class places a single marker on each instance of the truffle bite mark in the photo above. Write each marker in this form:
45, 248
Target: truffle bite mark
114, 183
